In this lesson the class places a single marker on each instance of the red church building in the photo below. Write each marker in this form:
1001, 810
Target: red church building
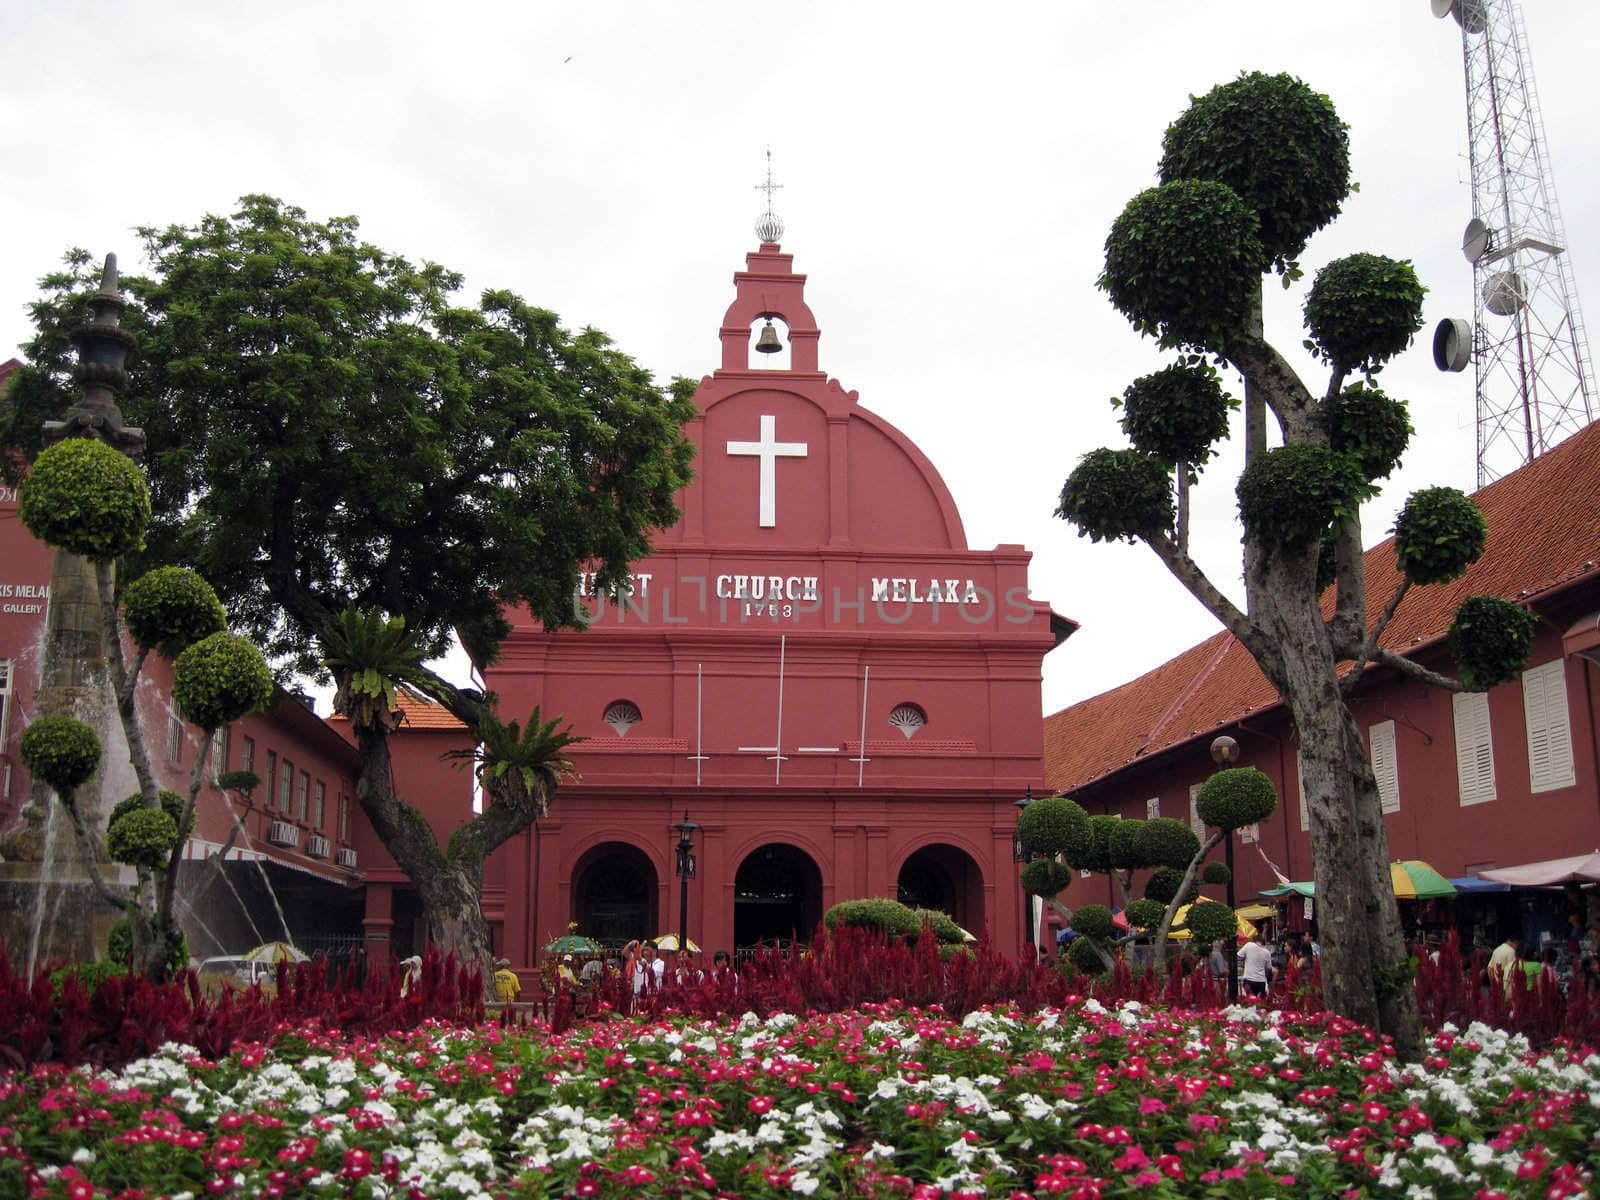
812, 667
1469, 782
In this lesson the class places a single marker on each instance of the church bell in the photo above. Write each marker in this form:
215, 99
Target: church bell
768, 342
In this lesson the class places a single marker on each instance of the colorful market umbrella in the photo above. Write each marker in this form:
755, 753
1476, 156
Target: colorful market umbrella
1416, 880
1178, 918
277, 952
573, 943
669, 941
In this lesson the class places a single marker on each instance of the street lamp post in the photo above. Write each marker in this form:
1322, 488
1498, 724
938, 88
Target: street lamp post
1020, 854
1225, 752
685, 869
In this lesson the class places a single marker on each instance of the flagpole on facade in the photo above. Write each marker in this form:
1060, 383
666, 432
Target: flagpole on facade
861, 752
699, 721
777, 749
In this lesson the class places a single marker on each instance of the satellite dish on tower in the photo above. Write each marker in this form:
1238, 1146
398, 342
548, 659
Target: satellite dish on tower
1452, 344
1477, 240
1504, 294
1469, 14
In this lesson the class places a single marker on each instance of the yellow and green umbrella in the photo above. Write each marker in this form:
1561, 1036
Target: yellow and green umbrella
1416, 880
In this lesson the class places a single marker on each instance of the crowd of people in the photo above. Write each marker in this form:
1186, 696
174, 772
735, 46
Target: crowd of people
642, 965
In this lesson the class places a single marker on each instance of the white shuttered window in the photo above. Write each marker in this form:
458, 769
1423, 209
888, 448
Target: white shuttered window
1474, 747
1380, 739
1195, 823
1544, 702
1152, 808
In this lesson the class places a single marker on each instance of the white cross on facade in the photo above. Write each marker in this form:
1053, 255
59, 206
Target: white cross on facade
769, 450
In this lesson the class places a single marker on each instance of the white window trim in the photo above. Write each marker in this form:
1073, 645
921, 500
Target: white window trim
1152, 808
1385, 764
1474, 747
1549, 723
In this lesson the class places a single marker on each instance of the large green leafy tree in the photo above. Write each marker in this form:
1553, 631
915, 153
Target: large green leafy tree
1248, 173
328, 431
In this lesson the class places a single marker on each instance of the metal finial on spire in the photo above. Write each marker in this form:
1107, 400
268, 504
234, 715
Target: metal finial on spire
769, 226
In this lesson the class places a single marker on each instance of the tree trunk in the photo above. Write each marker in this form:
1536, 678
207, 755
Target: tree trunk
1365, 964
451, 893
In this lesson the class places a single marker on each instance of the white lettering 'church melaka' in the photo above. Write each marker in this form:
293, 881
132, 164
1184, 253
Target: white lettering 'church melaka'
812, 666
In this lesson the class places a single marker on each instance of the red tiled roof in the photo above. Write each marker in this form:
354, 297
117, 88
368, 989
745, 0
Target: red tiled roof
1544, 531
419, 713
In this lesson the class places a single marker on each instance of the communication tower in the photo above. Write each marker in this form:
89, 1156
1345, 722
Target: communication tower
1534, 383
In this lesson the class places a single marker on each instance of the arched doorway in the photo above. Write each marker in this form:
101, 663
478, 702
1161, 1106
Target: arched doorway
944, 877
777, 896
614, 894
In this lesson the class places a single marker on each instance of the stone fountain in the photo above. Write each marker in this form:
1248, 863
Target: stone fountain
49, 907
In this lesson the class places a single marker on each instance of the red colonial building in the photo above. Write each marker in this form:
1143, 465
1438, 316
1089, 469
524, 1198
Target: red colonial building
1469, 782
812, 666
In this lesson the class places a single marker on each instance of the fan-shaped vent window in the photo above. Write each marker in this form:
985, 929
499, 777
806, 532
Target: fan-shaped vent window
907, 718
622, 715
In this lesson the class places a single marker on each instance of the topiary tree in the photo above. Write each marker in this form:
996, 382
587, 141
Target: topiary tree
894, 920
1249, 172
1210, 922
169, 609
86, 498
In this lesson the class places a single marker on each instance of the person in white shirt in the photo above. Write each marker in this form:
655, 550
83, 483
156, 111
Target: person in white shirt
1256, 963
649, 969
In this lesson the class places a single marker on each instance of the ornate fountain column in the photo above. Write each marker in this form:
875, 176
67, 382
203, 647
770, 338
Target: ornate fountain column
48, 907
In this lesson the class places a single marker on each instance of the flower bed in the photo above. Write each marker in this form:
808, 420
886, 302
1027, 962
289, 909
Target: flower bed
1082, 1100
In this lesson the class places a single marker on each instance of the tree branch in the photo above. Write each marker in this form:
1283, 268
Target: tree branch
1281, 388
1416, 670
1188, 573
1348, 623
91, 854
122, 686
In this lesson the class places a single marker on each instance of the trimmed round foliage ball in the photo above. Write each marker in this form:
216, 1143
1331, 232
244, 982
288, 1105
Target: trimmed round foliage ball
1370, 427
169, 609
239, 781
62, 751
1184, 263
1123, 849
171, 803
1216, 873
943, 925
219, 679
1236, 797
1165, 842
1114, 494
1045, 877
87, 499
1490, 639
1439, 534
1163, 885
1085, 957
1289, 496
1145, 914
890, 917
1098, 855
1177, 414
142, 838
1094, 920
1280, 147
1054, 825
1211, 923
1362, 310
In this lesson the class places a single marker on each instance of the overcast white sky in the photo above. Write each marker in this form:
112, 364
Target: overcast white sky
950, 172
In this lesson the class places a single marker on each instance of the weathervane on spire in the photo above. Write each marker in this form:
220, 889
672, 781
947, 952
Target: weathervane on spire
769, 226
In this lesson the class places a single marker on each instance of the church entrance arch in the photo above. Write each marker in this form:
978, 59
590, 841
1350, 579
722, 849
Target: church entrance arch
944, 877
777, 896
614, 893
